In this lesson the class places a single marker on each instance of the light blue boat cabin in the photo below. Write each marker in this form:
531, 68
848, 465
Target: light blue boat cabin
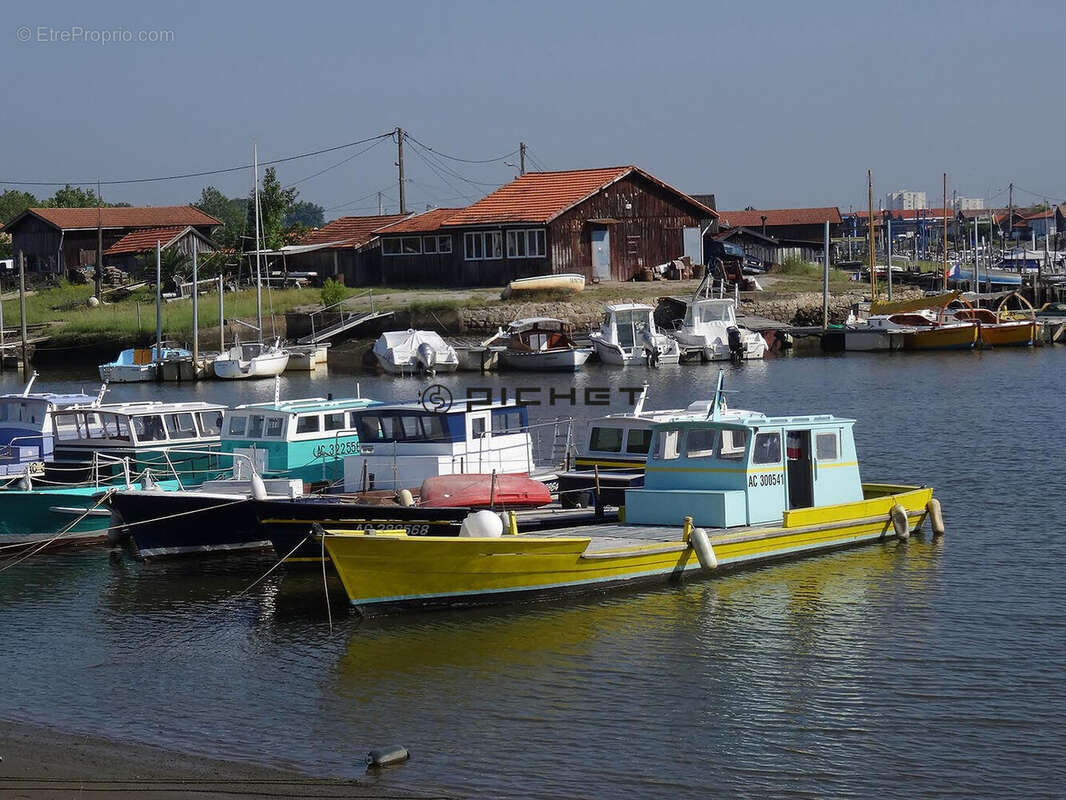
733, 468
26, 434
305, 439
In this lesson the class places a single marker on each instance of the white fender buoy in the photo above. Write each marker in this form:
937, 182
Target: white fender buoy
481, 525
936, 516
900, 524
26, 482
704, 552
405, 498
259, 489
387, 756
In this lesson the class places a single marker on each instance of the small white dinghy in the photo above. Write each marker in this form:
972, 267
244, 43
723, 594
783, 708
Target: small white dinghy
411, 352
628, 337
255, 360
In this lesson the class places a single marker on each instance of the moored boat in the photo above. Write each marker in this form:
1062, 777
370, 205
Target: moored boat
995, 331
249, 361
139, 364
414, 352
565, 282
628, 336
541, 344
724, 490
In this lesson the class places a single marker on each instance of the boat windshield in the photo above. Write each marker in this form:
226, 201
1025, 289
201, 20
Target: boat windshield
22, 410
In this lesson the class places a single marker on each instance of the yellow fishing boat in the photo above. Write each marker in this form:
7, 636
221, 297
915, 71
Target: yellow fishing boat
564, 282
723, 490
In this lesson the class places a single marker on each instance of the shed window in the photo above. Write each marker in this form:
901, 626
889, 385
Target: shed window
391, 247
308, 424
236, 426
181, 426
444, 244
638, 441
826, 446
411, 245
767, 449
699, 443
669, 445
606, 440
732, 445
335, 422
429, 244
482, 245
525, 243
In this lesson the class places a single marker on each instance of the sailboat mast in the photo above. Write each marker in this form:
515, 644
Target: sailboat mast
258, 273
873, 268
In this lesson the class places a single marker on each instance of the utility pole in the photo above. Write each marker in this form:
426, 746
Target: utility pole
379, 204
522, 158
399, 163
99, 243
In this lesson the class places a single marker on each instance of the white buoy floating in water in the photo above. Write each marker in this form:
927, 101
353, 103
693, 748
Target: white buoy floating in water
387, 756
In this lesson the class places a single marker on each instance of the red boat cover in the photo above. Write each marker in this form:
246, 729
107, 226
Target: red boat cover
475, 491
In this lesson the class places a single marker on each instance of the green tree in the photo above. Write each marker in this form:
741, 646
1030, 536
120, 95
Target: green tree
230, 211
305, 213
13, 202
275, 201
73, 197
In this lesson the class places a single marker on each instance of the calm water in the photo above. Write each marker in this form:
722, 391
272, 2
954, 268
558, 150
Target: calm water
897, 671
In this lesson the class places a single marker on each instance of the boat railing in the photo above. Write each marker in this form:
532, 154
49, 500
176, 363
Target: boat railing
10, 445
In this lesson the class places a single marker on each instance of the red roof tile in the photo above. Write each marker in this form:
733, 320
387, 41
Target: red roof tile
780, 216
540, 197
348, 232
144, 239
1045, 214
132, 217
908, 213
425, 222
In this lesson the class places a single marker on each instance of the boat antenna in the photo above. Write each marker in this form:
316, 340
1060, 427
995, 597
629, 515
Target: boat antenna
277, 389
100, 395
29, 384
638, 408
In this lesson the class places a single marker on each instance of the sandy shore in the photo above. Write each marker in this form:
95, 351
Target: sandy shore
40, 764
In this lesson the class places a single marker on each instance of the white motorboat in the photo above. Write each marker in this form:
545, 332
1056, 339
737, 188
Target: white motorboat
710, 327
409, 352
254, 360
542, 344
137, 364
628, 336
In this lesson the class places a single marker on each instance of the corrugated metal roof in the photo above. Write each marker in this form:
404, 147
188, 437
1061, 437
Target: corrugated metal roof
780, 216
348, 232
131, 217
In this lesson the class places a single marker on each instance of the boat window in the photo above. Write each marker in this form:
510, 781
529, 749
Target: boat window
477, 427
826, 446
335, 422
66, 426
714, 313
210, 422
308, 424
274, 426
116, 427
669, 445
149, 428
236, 426
699, 443
255, 426
181, 426
638, 441
433, 427
411, 428
369, 427
606, 440
732, 445
767, 448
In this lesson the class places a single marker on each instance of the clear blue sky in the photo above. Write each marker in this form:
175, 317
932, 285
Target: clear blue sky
767, 104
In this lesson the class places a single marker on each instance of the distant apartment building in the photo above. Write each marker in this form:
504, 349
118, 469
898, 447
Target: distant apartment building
904, 201
969, 204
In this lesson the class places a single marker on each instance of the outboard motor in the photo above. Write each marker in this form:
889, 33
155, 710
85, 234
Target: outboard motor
651, 350
736, 344
426, 357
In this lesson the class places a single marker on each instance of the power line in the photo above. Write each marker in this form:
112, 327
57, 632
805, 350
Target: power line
457, 158
338, 164
198, 174
428, 157
366, 196
440, 175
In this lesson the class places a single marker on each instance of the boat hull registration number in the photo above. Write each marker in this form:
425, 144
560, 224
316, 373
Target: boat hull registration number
766, 479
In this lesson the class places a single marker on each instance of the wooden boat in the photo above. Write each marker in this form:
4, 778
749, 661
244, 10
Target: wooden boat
542, 344
629, 336
567, 282
936, 332
995, 331
723, 491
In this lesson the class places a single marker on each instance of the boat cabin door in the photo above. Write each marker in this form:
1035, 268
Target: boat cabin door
479, 441
799, 469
